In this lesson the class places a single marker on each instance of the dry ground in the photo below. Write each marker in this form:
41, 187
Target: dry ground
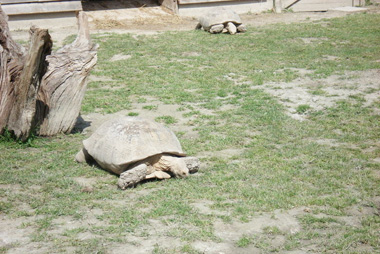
151, 20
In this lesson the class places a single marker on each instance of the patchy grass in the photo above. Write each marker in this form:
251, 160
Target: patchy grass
303, 108
280, 164
166, 119
244, 242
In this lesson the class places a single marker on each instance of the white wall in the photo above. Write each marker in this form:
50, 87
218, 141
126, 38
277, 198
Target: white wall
240, 7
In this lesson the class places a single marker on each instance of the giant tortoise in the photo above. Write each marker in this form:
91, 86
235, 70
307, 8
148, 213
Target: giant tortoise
219, 20
136, 149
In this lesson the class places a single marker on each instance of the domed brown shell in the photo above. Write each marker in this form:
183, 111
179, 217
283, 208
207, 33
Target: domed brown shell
122, 141
219, 15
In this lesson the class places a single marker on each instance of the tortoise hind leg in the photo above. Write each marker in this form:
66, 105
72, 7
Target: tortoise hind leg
83, 156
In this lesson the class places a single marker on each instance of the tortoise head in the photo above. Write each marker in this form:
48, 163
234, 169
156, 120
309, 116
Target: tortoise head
176, 165
180, 169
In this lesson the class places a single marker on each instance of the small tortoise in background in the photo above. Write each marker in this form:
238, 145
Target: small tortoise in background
137, 149
221, 20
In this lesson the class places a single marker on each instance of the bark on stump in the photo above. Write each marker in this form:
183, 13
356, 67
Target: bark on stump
37, 88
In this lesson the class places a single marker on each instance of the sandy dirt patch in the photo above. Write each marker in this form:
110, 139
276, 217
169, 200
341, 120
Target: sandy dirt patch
332, 89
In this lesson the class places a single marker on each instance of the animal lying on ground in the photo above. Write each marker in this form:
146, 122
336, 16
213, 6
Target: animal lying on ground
221, 20
137, 149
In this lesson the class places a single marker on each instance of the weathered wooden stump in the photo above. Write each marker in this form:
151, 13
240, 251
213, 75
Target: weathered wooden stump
64, 84
39, 88
20, 76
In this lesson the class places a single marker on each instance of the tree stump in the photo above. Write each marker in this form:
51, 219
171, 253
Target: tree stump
40, 88
64, 84
20, 77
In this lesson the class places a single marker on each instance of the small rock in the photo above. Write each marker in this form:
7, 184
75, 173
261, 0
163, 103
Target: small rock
307, 210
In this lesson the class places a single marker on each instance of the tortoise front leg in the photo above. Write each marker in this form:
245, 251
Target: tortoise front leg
158, 175
133, 176
231, 28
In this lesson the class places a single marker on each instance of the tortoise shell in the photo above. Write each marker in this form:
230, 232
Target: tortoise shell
219, 15
119, 142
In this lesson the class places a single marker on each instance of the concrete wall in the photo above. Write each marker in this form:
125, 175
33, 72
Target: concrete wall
256, 6
46, 20
319, 5
240, 7
42, 13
